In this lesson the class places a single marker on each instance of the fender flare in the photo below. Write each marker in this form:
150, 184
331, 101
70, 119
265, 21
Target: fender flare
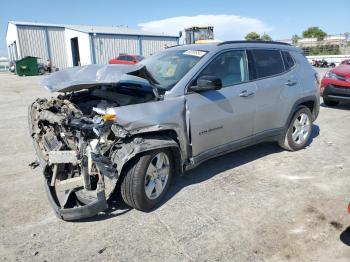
142, 144
299, 102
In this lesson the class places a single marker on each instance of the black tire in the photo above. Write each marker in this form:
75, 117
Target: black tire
287, 141
330, 102
41, 71
132, 187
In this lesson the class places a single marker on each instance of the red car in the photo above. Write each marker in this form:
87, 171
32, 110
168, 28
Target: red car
335, 85
126, 60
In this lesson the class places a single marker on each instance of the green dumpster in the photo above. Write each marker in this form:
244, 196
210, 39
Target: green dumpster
27, 66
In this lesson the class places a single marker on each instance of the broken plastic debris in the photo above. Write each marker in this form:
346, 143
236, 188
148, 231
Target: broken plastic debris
34, 164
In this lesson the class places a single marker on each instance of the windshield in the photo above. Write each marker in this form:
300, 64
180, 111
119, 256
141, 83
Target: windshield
168, 67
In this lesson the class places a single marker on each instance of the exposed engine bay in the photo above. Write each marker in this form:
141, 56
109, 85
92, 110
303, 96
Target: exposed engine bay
77, 141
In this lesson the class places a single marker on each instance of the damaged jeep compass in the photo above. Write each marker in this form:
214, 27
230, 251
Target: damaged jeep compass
136, 126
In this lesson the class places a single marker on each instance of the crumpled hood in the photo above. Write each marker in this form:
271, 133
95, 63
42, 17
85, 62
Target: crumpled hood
82, 77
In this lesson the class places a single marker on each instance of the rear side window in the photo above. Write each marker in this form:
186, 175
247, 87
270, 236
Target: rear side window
265, 63
288, 60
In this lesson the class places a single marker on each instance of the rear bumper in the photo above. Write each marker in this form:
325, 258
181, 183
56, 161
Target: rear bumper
336, 93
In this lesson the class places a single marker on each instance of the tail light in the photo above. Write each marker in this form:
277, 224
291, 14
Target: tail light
317, 79
349, 208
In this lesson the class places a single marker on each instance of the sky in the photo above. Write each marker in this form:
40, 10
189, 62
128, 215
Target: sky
232, 20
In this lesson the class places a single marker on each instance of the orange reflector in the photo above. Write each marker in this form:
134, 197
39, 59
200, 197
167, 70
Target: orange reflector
109, 117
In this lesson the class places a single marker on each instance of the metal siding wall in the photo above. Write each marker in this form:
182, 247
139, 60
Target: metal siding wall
32, 42
151, 44
110, 46
57, 47
11, 52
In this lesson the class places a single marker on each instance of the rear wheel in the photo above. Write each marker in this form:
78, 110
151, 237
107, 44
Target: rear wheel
330, 102
299, 131
147, 179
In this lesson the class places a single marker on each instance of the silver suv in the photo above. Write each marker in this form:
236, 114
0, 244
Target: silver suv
136, 126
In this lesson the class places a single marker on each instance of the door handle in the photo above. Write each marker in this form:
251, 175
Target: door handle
245, 93
291, 83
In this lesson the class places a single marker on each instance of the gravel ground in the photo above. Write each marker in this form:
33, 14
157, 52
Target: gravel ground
257, 204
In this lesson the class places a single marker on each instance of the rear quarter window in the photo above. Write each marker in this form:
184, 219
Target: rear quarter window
288, 60
265, 63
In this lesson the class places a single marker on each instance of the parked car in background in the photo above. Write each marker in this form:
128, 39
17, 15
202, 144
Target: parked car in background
139, 125
335, 85
126, 59
322, 63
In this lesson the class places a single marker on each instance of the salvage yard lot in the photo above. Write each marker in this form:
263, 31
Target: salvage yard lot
257, 204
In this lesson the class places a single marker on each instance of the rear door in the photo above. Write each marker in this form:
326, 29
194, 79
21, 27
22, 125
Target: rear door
218, 117
276, 88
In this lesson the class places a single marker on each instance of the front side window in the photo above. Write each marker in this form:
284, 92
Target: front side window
230, 67
266, 62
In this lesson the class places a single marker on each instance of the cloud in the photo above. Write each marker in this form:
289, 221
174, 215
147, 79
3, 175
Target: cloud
226, 27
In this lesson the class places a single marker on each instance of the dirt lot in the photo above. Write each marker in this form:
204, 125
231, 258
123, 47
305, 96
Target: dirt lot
258, 204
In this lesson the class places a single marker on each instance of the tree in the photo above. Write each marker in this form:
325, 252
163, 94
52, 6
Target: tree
266, 37
314, 32
295, 39
252, 36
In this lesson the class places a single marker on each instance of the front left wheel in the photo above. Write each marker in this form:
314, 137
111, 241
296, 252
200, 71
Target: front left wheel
147, 179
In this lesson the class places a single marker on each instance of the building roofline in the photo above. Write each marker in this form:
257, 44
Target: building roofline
99, 29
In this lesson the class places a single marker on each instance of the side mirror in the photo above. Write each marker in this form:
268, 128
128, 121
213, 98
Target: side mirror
207, 83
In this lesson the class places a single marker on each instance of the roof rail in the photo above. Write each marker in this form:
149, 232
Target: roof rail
253, 42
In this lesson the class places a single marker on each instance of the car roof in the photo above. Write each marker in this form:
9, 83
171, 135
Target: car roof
237, 44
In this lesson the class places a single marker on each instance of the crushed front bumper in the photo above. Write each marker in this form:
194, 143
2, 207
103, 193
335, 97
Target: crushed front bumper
76, 213
65, 195
98, 198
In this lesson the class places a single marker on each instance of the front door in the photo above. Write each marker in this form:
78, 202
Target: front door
219, 117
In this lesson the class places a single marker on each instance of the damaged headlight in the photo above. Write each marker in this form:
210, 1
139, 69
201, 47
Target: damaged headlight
109, 117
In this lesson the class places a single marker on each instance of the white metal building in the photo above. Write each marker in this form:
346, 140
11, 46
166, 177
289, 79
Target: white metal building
71, 45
